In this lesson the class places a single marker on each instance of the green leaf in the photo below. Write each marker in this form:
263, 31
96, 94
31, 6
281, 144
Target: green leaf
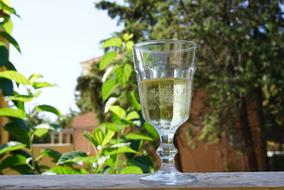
11, 146
107, 59
41, 132
23, 98
8, 26
98, 136
132, 116
119, 111
127, 37
88, 159
19, 131
11, 40
70, 157
10, 66
107, 138
107, 88
34, 77
90, 137
63, 170
38, 85
12, 161
11, 112
122, 73
137, 136
111, 126
15, 76
152, 131
129, 45
7, 86
113, 42
4, 55
51, 153
7, 9
134, 101
131, 170
48, 108
123, 149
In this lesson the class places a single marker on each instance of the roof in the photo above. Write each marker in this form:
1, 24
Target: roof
91, 61
87, 120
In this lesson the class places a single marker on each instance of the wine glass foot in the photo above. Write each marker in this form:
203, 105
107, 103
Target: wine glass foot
173, 178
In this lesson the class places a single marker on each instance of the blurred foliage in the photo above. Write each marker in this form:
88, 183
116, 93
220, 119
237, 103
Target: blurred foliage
240, 56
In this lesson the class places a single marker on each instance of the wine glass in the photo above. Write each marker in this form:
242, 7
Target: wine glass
165, 71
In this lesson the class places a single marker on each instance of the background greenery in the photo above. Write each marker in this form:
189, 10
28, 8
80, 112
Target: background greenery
240, 62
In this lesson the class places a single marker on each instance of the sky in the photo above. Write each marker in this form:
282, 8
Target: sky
55, 36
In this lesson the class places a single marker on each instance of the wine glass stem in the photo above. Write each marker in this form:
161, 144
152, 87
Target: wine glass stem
167, 152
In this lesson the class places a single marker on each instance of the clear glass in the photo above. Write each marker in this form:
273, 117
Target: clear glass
165, 71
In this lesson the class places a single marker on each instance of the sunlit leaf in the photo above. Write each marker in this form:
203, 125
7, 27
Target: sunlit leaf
122, 73
70, 157
119, 111
107, 88
111, 126
15, 76
38, 85
131, 170
127, 37
8, 26
132, 115
137, 136
90, 137
134, 101
23, 98
108, 136
34, 77
12, 112
62, 170
120, 150
113, 42
129, 45
98, 136
41, 132
107, 59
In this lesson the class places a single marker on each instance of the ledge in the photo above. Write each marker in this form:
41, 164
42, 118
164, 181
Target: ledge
212, 181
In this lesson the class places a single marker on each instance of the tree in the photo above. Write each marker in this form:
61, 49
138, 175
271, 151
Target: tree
240, 63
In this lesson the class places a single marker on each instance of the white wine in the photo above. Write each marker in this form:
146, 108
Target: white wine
165, 101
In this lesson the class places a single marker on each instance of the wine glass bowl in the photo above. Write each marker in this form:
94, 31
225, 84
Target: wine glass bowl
165, 70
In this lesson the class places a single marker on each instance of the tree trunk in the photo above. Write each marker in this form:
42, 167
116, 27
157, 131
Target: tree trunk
256, 123
247, 136
252, 130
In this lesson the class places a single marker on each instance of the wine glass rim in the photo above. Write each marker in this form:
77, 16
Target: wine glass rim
140, 46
